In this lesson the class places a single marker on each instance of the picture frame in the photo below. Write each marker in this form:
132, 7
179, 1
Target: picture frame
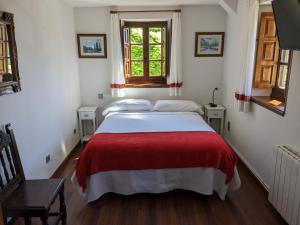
92, 45
209, 44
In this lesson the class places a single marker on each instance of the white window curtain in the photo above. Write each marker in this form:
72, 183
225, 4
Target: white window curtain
117, 67
248, 26
175, 78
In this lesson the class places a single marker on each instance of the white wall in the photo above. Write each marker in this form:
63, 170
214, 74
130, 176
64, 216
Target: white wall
254, 134
43, 114
201, 75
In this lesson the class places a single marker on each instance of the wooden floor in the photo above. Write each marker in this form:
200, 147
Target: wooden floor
248, 206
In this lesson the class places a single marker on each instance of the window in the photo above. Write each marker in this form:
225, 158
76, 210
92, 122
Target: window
145, 50
272, 67
9, 74
279, 90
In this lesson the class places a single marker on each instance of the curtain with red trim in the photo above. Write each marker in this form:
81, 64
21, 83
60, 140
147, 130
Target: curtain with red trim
117, 67
175, 78
248, 26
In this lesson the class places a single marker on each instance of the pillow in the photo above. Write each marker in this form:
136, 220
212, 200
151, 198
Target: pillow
128, 105
176, 106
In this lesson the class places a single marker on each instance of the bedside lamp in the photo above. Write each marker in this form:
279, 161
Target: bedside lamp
212, 104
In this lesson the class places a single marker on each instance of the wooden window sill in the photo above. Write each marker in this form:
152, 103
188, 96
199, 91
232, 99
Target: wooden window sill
264, 101
146, 85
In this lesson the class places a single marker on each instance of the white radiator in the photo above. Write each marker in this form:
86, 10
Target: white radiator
285, 190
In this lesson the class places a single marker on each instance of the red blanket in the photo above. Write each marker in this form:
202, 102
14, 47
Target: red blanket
140, 151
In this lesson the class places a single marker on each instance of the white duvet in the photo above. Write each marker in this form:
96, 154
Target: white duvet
201, 180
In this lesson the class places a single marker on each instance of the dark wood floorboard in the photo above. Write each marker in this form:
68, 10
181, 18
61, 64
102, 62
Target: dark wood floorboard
247, 206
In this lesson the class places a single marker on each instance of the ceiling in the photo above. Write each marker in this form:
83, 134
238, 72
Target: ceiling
85, 3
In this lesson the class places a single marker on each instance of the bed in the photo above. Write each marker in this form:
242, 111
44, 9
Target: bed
155, 152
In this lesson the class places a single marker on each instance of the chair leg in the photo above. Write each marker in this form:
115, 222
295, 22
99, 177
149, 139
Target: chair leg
44, 220
27, 220
62, 207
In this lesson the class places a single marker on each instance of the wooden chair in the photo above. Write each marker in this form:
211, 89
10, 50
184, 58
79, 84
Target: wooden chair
1, 215
26, 198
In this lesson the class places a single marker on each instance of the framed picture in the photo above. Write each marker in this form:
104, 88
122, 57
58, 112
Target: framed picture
92, 45
209, 44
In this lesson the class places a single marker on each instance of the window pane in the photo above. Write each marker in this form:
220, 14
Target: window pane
137, 69
9, 70
155, 52
2, 66
136, 35
2, 50
3, 32
126, 35
155, 34
163, 72
285, 55
283, 71
164, 52
155, 68
7, 50
137, 52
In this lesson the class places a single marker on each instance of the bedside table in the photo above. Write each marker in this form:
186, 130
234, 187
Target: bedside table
215, 113
88, 113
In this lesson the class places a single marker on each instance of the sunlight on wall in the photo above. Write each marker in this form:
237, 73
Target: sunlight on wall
63, 148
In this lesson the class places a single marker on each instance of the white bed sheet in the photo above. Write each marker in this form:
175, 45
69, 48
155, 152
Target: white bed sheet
201, 180
132, 122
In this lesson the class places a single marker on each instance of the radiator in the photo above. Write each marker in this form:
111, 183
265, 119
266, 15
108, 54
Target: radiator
284, 192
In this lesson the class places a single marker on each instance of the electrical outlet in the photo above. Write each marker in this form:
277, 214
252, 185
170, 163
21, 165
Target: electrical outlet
228, 126
47, 158
100, 96
74, 131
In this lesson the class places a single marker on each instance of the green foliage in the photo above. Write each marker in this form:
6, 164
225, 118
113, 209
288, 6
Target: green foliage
137, 69
155, 52
155, 68
136, 52
155, 35
136, 37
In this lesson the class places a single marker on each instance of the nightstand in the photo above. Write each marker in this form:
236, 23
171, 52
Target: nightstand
88, 113
215, 113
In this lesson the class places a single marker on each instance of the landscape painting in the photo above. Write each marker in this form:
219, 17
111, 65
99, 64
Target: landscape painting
92, 45
209, 44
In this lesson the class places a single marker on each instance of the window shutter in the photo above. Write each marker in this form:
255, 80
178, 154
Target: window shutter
126, 51
267, 53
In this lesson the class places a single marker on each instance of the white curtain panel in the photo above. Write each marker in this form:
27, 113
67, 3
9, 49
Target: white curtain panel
175, 78
117, 67
248, 26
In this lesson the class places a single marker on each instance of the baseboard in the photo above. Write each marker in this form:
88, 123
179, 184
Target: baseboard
64, 162
248, 165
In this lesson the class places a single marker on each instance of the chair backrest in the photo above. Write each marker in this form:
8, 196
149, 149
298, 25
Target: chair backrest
11, 170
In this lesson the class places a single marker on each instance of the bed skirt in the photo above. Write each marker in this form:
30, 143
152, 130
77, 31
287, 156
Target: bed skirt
126, 182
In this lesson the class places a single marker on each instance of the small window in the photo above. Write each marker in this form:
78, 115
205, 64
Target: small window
272, 67
9, 73
145, 51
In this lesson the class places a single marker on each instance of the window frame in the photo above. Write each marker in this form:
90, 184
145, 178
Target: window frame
146, 80
11, 84
276, 93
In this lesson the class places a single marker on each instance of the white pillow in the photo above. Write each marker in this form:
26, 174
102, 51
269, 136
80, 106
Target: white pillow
176, 106
128, 105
